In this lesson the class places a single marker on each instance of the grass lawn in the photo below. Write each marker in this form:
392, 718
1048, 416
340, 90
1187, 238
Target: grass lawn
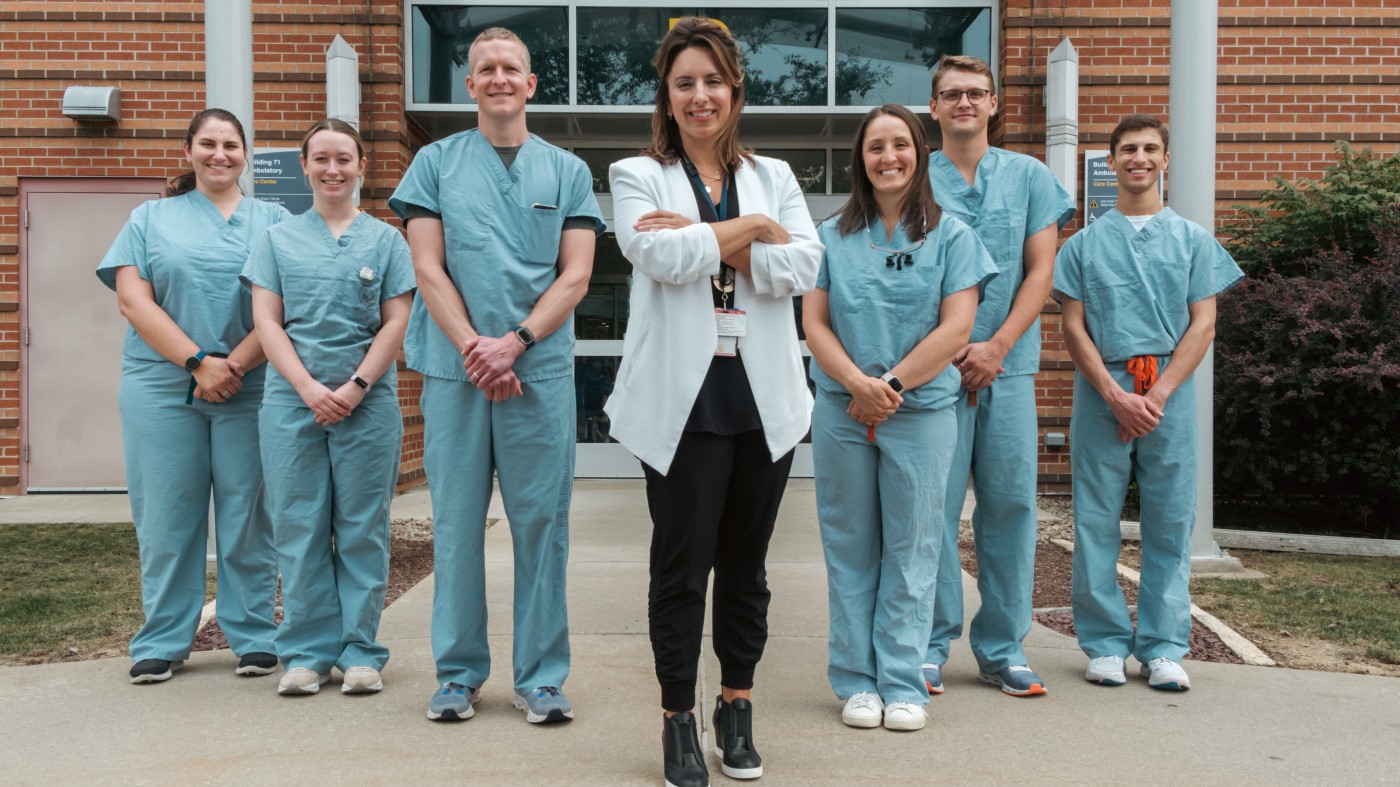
68, 591
1312, 606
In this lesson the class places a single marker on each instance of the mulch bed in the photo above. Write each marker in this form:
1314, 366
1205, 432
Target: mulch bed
410, 560
1053, 567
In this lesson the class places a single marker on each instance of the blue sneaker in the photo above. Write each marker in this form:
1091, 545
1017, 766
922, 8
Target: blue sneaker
453, 702
933, 678
545, 705
1018, 681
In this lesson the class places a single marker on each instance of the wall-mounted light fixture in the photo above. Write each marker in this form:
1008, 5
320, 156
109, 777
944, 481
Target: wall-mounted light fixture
93, 103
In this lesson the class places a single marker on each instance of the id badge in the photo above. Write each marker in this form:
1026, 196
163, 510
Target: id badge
730, 324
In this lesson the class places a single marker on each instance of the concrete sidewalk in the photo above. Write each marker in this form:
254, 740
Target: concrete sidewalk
84, 723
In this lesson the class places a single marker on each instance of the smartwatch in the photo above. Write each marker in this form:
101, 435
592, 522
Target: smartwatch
894, 383
192, 362
360, 381
525, 335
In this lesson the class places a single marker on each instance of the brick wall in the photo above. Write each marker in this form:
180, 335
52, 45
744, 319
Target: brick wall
155, 52
1294, 77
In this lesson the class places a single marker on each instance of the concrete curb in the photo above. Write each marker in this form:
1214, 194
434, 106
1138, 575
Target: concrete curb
1248, 652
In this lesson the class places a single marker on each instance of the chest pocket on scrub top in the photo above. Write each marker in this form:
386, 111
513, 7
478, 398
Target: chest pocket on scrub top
364, 295
540, 228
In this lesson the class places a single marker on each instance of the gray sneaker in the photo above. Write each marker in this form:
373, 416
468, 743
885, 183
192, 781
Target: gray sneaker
453, 702
544, 705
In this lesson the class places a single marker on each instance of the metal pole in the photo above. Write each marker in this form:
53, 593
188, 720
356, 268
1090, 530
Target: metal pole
1192, 195
228, 84
228, 67
1062, 116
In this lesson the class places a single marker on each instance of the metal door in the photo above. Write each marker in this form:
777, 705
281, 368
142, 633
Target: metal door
71, 332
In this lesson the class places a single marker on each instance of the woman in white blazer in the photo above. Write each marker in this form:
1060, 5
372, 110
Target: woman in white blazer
711, 395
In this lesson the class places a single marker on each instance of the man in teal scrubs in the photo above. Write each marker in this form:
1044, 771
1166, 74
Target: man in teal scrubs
1138, 288
1017, 208
501, 225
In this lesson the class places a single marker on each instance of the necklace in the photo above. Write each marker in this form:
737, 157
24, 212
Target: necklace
716, 178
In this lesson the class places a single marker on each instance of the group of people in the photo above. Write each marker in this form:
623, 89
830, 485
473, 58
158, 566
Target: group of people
921, 300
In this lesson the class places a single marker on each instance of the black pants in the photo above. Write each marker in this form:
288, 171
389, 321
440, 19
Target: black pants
714, 509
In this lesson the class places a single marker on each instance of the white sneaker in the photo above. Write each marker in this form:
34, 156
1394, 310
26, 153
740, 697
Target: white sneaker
904, 716
361, 680
301, 680
1106, 671
863, 709
1165, 674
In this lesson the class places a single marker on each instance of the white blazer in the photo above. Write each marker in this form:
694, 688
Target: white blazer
671, 333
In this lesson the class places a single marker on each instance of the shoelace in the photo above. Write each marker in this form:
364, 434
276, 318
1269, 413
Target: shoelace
450, 688
867, 701
547, 691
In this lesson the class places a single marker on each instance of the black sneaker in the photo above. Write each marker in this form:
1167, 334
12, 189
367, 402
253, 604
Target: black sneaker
680, 746
257, 663
734, 739
153, 670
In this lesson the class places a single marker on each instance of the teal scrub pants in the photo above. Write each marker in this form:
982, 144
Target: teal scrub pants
328, 494
529, 442
997, 445
175, 454
878, 504
1164, 462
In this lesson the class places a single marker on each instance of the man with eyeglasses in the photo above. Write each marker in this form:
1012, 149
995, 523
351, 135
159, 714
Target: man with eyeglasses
1017, 208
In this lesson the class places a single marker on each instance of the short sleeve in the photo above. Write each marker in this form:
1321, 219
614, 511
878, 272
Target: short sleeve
1213, 270
261, 268
581, 204
966, 261
1049, 202
1069, 272
398, 267
129, 248
824, 231
419, 185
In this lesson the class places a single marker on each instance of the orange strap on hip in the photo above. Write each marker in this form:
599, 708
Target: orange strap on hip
1144, 371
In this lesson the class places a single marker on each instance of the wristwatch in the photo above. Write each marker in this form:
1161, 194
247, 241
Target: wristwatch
525, 335
192, 362
894, 383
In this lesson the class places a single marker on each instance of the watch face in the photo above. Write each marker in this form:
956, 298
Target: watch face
192, 362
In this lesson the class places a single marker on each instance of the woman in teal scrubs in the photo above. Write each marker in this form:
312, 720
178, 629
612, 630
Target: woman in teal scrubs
191, 382
895, 299
332, 291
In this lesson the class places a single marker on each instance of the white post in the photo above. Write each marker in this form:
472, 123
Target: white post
228, 84
228, 67
343, 82
1192, 195
1062, 116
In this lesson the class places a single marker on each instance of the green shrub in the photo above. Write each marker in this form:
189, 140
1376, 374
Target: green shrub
1354, 203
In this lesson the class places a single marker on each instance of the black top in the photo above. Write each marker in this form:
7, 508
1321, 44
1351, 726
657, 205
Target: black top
725, 405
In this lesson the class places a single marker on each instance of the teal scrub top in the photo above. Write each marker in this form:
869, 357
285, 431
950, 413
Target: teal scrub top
501, 228
1137, 285
331, 293
192, 257
880, 313
1013, 196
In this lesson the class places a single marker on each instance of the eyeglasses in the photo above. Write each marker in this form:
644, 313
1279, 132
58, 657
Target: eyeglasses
897, 259
974, 96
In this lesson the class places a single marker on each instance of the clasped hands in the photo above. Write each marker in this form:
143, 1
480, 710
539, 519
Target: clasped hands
489, 363
217, 379
872, 401
1137, 415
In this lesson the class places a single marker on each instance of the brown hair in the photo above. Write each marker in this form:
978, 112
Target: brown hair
185, 182
497, 34
962, 63
919, 211
338, 126
1136, 123
694, 31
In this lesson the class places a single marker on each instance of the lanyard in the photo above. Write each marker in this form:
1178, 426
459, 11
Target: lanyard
724, 282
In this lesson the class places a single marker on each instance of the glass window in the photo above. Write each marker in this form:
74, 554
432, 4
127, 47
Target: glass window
808, 166
887, 55
598, 161
784, 53
841, 171
602, 314
593, 384
443, 34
